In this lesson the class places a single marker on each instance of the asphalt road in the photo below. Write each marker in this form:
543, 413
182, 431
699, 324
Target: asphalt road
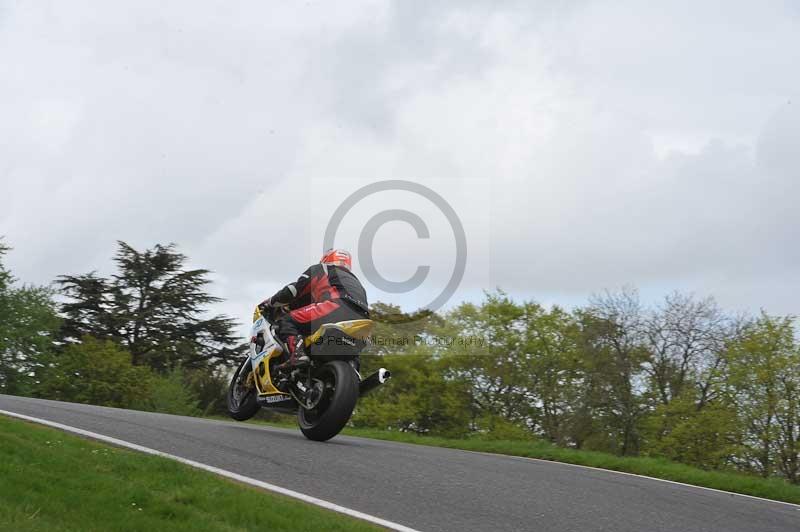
429, 488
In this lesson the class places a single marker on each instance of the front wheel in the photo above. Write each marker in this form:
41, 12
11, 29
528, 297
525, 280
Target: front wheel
331, 413
242, 402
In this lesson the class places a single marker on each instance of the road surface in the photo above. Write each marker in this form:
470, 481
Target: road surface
429, 488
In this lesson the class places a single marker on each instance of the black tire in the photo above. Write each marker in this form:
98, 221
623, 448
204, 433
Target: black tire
247, 405
336, 407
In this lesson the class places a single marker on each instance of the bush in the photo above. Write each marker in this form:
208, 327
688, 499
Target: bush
170, 394
93, 372
704, 438
419, 399
210, 389
499, 428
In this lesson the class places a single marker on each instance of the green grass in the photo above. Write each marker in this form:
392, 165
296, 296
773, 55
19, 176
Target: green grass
771, 488
53, 481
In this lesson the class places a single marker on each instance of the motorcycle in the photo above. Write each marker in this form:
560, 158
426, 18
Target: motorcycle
323, 394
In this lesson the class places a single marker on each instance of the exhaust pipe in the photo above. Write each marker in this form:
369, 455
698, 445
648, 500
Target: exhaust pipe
373, 381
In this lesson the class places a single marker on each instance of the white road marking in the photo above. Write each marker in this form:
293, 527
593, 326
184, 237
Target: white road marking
222, 472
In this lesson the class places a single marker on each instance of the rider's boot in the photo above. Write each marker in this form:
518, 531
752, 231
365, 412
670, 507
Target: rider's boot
297, 356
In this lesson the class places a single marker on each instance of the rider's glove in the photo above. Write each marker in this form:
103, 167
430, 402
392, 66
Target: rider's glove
264, 306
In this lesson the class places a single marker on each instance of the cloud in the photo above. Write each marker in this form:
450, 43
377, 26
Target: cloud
583, 147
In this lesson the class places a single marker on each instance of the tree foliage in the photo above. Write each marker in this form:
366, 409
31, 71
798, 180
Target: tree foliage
705, 437
421, 398
680, 379
154, 307
171, 393
764, 377
28, 322
95, 372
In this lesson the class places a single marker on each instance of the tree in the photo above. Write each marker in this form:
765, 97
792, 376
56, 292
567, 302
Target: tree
552, 358
154, 307
764, 377
27, 325
396, 331
691, 419
686, 339
613, 354
497, 371
525, 371
420, 398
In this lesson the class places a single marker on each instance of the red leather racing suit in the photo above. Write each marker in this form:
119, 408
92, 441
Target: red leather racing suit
324, 293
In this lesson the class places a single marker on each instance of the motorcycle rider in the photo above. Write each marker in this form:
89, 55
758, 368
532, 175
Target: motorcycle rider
327, 292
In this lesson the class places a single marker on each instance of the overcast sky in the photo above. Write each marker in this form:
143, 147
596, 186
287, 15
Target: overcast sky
584, 147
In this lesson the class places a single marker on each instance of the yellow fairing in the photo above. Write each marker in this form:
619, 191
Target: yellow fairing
358, 329
263, 379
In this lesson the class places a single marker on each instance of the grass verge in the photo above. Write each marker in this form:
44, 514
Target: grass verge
50, 480
769, 488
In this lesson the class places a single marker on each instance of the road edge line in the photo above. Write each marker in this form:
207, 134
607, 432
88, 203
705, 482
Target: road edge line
217, 471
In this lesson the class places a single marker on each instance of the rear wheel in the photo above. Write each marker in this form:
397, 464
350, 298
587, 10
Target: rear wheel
339, 393
242, 402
